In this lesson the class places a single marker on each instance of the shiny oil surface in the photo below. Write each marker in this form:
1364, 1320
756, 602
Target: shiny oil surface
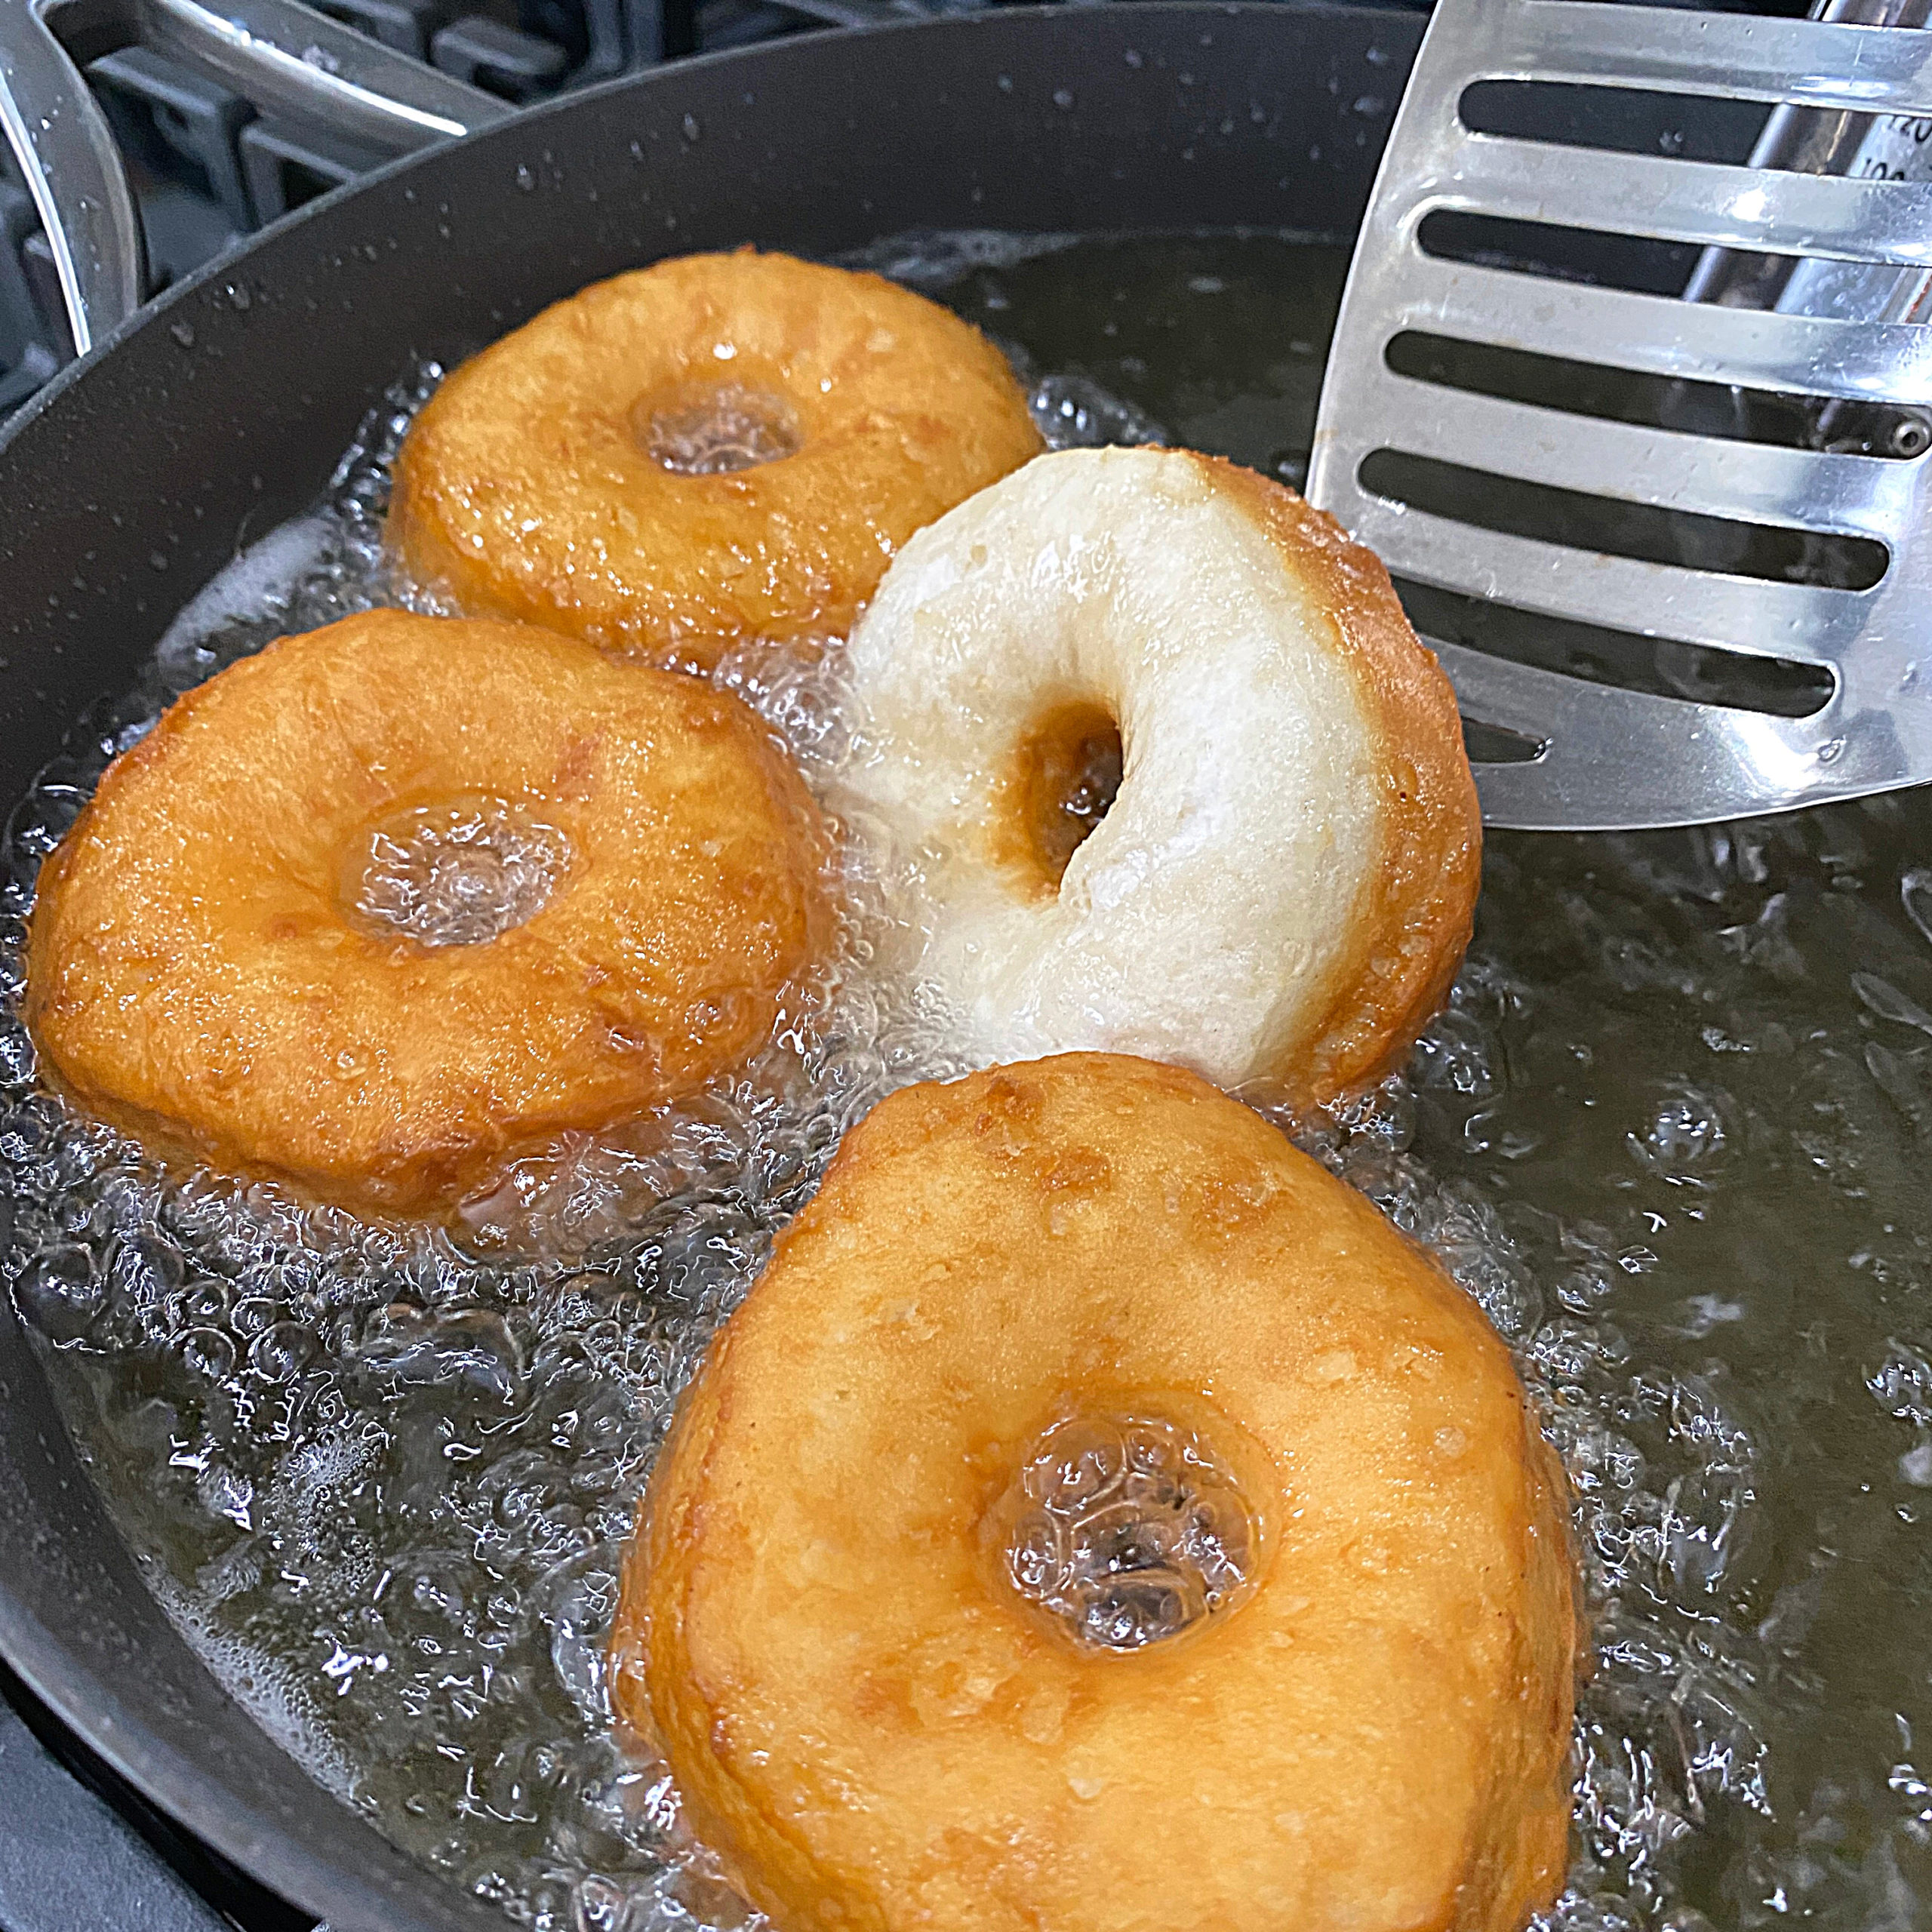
1672, 1132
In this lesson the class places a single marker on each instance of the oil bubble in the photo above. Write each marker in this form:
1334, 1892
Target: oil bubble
59, 1293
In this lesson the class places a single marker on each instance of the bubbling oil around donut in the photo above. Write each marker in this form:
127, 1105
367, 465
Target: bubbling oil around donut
717, 432
1126, 1530
381, 1476
461, 873
1664, 1134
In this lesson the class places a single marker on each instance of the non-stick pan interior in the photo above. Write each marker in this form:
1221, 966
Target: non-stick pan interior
222, 413
1669, 1132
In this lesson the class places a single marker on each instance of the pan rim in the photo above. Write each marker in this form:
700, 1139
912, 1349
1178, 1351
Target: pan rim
222, 267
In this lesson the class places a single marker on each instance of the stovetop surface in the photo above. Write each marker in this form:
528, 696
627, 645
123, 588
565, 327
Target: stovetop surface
81, 1848
208, 171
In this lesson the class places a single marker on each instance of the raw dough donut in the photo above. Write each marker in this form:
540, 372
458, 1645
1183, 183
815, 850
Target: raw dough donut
828, 414
1283, 886
401, 896
1099, 1518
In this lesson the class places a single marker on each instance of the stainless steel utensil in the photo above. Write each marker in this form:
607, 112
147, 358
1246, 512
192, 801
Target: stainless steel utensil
1855, 250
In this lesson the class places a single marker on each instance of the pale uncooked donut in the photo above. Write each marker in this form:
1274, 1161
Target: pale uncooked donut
1284, 885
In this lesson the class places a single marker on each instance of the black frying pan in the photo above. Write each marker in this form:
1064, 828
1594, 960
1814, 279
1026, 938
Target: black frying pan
220, 412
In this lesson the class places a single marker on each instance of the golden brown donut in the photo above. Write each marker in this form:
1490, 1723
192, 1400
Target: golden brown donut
1175, 773
396, 899
828, 414
1295, 1646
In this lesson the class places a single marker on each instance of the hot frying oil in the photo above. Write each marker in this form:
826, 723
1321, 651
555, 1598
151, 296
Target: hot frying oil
1671, 1132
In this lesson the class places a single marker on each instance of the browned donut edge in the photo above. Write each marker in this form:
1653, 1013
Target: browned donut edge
1417, 909
171, 1140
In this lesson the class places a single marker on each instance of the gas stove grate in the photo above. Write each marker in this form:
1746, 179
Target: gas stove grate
208, 169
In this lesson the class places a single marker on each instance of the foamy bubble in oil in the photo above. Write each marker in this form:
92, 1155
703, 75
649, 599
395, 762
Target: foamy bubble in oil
1126, 1530
1074, 412
381, 1476
312, 570
719, 431
457, 874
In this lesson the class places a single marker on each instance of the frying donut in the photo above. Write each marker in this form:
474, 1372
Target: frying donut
1098, 1516
394, 900
717, 448
1283, 886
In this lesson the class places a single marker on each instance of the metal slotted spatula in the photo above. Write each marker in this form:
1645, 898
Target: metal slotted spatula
1625, 392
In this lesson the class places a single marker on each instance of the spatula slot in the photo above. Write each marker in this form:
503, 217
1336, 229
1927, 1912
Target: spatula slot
1491, 744
1638, 263
1663, 667
1734, 413
1620, 120
1648, 532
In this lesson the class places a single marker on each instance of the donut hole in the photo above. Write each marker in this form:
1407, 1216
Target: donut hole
460, 873
1126, 1529
714, 429
1066, 774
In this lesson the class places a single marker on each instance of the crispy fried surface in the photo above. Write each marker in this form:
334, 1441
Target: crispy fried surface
877, 1732
196, 975
526, 488
1418, 901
